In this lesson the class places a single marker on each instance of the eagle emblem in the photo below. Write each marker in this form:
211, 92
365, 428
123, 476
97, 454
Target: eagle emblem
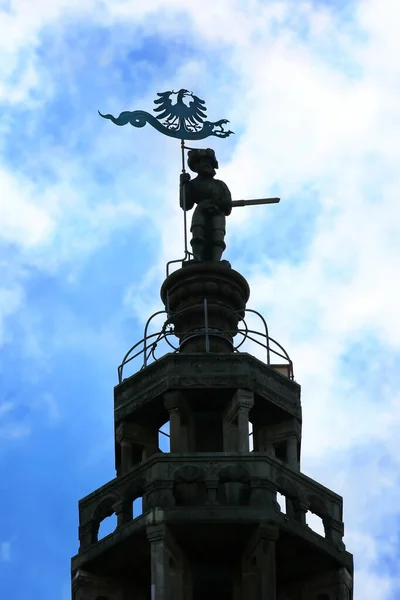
185, 120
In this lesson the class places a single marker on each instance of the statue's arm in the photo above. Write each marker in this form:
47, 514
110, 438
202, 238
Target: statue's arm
226, 200
186, 201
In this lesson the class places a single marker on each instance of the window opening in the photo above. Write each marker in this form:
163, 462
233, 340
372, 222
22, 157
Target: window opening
107, 526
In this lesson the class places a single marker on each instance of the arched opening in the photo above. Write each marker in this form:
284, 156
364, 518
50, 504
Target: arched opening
107, 526
315, 523
281, 500
134, 499
137, 507
104, 518
286, 496
164, 441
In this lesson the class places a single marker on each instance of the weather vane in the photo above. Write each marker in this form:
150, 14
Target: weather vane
212, 197
179, 120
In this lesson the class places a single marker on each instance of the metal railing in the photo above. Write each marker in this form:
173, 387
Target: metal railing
146, 348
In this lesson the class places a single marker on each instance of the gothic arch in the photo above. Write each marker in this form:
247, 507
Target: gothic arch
135, 489
317, 505
104, 509
287, 488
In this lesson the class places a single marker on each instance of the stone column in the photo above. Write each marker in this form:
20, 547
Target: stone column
259, 566
299, 511
345, 584
337, 584
291, 452
87, 535
261, 441
334, 531
86, 586
244, 399
290, 512
243, 429
263, 493
236, 422
159, 562
228, 434
124, 512
179, 571
249, 583
267, 566
176, 580
173, 402
126, 456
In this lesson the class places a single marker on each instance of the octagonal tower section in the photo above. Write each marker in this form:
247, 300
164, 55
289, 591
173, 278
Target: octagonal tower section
224, 508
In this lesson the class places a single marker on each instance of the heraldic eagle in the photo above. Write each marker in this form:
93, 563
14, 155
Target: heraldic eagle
180, 116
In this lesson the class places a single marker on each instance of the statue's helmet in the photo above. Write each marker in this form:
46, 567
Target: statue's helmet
199, 155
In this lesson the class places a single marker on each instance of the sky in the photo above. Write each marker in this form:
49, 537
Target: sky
89, 216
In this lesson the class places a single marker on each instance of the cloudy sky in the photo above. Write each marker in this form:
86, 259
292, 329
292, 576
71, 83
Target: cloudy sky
89, 216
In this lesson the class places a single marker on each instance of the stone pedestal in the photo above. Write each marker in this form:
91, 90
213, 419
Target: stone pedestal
205, 302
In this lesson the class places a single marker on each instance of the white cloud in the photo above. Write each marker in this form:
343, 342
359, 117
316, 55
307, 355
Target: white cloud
315, 92
23, 221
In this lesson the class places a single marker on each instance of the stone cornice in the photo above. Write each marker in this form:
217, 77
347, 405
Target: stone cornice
188, 371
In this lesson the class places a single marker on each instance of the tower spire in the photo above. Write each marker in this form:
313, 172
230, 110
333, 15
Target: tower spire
211, 525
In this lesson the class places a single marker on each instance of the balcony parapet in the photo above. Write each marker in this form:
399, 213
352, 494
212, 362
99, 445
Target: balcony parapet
212, 482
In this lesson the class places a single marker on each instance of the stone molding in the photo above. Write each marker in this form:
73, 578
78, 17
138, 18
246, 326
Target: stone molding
201, 370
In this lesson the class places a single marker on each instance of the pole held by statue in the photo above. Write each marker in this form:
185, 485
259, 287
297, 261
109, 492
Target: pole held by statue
255, 202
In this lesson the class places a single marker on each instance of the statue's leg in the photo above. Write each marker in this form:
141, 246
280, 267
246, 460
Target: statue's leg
198, 234
218, 236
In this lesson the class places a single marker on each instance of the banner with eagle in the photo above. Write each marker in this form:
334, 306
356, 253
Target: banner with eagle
185, 121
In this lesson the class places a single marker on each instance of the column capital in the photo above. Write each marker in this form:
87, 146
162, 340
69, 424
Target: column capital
173, 400
156, 533
244, 398
268, 531
299, 504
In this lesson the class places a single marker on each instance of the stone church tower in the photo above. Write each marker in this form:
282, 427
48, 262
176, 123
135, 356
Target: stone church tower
211, 527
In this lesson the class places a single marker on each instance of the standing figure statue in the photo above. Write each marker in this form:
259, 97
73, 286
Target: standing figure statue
214, 203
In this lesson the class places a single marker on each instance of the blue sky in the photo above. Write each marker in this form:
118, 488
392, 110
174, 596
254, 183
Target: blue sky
89, 217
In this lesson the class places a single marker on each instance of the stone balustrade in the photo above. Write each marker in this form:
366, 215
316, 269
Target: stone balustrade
195, 480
